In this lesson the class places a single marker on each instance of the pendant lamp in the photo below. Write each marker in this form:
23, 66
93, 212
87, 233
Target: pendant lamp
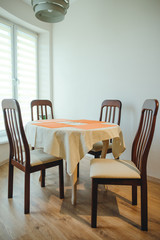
51, 11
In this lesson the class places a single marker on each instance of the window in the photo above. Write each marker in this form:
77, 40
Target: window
18, 67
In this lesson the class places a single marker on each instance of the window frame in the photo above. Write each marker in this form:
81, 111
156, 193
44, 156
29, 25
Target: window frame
15, 27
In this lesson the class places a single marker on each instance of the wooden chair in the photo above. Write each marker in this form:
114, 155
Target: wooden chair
44, 109
108, 114
21, 156
121, 172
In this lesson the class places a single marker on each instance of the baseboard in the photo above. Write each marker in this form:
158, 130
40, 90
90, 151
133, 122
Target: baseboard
153, 179
3, 162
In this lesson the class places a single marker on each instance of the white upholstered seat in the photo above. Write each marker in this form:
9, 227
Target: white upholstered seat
38, 157
111, 168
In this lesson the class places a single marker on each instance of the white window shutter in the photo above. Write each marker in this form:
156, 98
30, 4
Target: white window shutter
5, 67
26, 71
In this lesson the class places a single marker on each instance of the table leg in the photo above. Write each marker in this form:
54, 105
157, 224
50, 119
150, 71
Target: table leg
103, 154
40, 177
105, 148
74, 176
74, 187
74, 194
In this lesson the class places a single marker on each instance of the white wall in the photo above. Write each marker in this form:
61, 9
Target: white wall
4, 153
45, 75
109, 50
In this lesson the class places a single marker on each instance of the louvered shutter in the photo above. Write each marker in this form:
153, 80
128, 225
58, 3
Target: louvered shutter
26, 71
5, 67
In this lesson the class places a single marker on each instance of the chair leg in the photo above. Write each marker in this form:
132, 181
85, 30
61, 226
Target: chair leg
94, 204
61, 180
10, 181
27, 193
66, 166
97, 155
43, 178
78, 170
134, 195
144, 210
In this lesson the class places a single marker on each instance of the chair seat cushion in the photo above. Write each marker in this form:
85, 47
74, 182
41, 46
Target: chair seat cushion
99, 145
111, 168
39, 157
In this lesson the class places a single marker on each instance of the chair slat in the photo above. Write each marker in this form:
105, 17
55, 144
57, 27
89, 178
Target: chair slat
37, 112
106, 114
110, 113
42, 111
113, 115
141, 136
46, 112
19, 139
8, 122
14, 137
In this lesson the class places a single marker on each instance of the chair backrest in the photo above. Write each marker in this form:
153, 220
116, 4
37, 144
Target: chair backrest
143, 139
108, 111
15, 132
44, 109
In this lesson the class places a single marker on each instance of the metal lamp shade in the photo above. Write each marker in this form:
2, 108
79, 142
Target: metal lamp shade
50, 10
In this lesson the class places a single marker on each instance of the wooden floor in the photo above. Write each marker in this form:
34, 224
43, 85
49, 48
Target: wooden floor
52, 218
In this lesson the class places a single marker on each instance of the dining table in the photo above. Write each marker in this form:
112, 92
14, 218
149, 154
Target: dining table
71, 140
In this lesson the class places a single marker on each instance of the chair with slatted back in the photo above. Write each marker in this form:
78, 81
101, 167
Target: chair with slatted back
20, 154
110, 112
44, 109
123, 172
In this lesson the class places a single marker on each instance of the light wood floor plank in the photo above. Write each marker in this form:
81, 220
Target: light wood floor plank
53, 218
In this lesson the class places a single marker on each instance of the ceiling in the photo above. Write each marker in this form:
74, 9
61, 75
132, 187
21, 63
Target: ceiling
27, 1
